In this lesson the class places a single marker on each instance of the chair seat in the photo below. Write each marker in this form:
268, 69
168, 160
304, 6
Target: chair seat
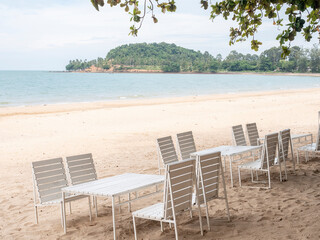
154, 212
251, 165
69, 197
309, 147
187, 159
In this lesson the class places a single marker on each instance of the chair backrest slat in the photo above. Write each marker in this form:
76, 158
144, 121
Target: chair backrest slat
186, 144
81, 168
269, 150
179, 187
166, 150
284, 144
49, 177
208, 176
238, 136
253, 134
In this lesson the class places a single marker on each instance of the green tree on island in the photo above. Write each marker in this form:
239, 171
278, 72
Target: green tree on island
172, 58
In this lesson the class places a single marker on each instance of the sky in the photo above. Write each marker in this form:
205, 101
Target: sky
46, 34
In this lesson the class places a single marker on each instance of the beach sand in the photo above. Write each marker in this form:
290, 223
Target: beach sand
121, 136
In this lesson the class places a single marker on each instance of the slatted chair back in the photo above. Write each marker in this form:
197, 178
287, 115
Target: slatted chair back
269, 150
49, 177
178, 188
253, 134
186, 144
81, 168
318, 137
166, 150
209, 167
284, 144
238, 136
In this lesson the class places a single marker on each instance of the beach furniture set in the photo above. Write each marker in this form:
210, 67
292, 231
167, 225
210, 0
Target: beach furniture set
53, 185
208, 173
312, 148
189, 182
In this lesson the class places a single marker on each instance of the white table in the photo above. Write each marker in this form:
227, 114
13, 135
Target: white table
231, 152
299, 139
114, 187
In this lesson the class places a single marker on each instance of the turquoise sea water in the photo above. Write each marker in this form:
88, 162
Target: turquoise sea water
39, 87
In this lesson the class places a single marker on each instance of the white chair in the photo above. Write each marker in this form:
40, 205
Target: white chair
253, 134
238, 137
166, 152
266, 160
49, 177
186, 145
178, 189
313, 148
81, 169
209, 170
285, 143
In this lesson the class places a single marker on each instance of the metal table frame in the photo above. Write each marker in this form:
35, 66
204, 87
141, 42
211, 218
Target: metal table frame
231, 152
114, 187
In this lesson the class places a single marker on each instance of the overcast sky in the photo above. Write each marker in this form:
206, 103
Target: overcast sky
46, 34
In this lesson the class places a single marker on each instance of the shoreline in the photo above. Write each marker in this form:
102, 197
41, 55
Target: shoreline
213, 73
95, 105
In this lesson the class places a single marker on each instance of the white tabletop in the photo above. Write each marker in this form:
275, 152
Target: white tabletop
226, 150
116, 185
295, 136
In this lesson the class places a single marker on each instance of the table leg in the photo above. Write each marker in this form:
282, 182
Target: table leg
230, 162
129, 203
114, 219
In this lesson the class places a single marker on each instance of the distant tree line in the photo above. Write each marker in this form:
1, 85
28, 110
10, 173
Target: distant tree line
172, 58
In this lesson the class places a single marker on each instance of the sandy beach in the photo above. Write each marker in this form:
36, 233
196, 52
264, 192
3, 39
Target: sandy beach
121, 136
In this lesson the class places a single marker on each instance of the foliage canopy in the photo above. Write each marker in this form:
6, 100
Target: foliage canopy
172, 58
303, 16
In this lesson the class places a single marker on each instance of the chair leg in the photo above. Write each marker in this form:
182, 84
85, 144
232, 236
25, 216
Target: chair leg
239, 176
135, 229
280, 170
36, 214
298, 161
208, 220
285, 170
70, 208
200, 221
161, 226
63, 206
90, 214
269, 178
62, 217
96, 205
176, 230
227, 206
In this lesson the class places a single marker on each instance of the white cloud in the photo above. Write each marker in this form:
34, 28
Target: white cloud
47, 36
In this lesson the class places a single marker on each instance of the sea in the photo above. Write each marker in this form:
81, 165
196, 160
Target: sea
23, 88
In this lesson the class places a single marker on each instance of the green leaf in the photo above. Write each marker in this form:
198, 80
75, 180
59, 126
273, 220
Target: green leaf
95, 4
